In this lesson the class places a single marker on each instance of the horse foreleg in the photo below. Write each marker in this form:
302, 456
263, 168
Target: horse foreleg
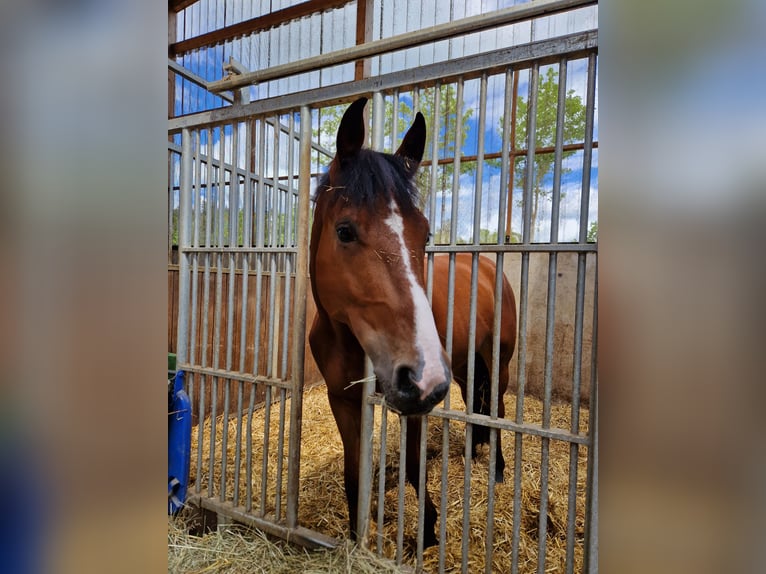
347, 418
482, 398
413, 475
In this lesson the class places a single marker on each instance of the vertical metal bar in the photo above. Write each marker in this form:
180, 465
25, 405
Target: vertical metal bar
299, 318
422, 491
286, 305
534, 73
265, 451
551, 316
496, 326
523, 304
395, 122
209, 202
218, 302
259, 243
590, 110
191, 377
591, 493
184, 242
368, 412
471, 359
232, 279
382, 477
435, 121
280, 454
171, 203
456, 163
246, 242
402, 484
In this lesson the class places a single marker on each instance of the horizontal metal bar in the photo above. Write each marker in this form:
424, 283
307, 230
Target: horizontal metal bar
237, 271
516, 152
511, 248
234, 376
571, 46
299, 535
501, 424
195, 79
290, 250
510, 15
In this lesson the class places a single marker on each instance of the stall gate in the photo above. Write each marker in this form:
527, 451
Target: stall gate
243, 177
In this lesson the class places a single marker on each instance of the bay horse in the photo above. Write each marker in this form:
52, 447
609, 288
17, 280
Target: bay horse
367, 262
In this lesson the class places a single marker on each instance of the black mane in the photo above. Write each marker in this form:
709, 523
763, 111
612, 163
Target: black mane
369, 175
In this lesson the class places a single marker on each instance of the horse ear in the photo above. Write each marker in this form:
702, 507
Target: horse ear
413, 145
351, 130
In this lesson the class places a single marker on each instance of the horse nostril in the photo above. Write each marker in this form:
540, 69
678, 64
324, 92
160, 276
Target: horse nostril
404, 380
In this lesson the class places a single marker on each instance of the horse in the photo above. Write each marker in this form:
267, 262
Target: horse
367, 263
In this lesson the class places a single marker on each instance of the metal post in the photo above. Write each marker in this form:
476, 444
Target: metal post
184, 242
299, 318
368, 410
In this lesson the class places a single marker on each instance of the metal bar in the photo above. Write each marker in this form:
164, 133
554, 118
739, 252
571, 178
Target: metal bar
259, 241
495, 397
299, 535
195, 79
235, 376
232, 278
510, 15
519, 436
550, 321
262, 250
456, 166
190, 380
591, 492
559, 150
515, 248
299, 318
368, 412
205, 305
422, 492
184, 241
286, 318
280, 453
382, 477
402, 485
572, 45
265, 458
590, 110
246, 240
471, 359
218, 312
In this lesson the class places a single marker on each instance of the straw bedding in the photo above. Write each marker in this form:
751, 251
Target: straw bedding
322, 504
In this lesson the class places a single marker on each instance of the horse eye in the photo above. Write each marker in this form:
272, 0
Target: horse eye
346, 233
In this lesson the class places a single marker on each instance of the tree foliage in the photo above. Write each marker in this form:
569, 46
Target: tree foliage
545, 135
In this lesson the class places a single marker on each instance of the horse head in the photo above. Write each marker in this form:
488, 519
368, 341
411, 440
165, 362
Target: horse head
367, 260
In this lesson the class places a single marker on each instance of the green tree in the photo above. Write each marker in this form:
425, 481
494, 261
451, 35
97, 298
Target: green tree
545, 135
593, 232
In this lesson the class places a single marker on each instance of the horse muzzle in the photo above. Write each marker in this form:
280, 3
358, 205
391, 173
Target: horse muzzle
405, 396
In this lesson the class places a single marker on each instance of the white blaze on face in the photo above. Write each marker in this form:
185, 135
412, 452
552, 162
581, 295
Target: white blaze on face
426, 335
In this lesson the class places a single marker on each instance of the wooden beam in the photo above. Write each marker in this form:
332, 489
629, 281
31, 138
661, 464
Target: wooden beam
178, 5
364, 14
253, 25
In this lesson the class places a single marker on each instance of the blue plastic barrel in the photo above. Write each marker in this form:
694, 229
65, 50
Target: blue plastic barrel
179, 444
